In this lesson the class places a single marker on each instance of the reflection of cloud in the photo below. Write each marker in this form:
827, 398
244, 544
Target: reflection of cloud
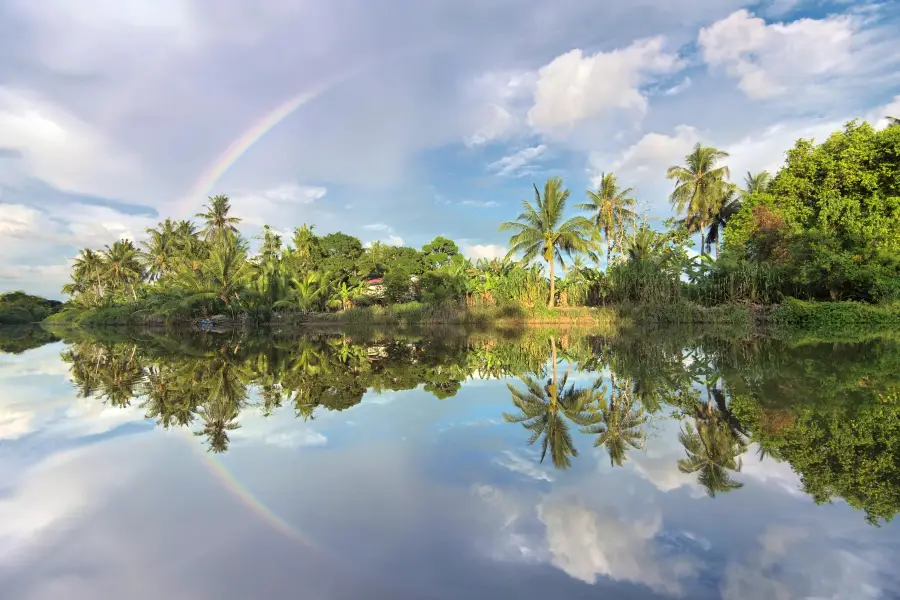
790, 559
506, 517
586, 544
52, 491
296, 439
771, 471
528, 467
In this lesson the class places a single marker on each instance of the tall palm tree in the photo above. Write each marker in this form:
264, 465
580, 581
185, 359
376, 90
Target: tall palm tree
619, 425
756, 183
541, 231
160, 249
699, 185
613, 211
546, 410
712, 451
216, 218
87, 271
726, 207
121, 265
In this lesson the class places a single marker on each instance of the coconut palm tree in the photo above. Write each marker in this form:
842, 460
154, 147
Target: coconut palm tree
613, 211
122, 267
699, 185
712, 451
216, 218
160, 249
756, 183
546, 411
307, 293
619, 425
224, 276
726, 207
541, 231
87, 271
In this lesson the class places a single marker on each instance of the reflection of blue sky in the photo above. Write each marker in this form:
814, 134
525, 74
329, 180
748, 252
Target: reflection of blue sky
409, 497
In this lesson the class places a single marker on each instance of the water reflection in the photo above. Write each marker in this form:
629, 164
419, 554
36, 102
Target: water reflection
727, 394
591, 453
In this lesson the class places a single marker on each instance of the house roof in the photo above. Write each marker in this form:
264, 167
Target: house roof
373, 281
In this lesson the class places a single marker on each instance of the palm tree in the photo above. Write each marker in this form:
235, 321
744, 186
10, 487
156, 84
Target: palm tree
121, 265
541, 231
218, 223
712, 451
727, 206
546, 410
758, 183
87, 271
223, 277
699, 185
619, 426
613, 211
160, 249
307, 293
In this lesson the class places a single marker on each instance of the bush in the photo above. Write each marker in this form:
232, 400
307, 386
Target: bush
835, 314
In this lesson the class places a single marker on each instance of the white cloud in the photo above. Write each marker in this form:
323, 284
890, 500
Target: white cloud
500, 100
377, 227
58, 148
772, 472
479, 203
489, 251
517, 164
527, 466
574, 87
679, 87
878, 116
274, 205
586, 544
296, 439
653, 153
769, 60
388, 236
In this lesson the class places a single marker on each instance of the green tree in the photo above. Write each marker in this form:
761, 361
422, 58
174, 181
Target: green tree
216, 219
438, 252
122, 267
699, 186
160, 249
541, 230
613, 211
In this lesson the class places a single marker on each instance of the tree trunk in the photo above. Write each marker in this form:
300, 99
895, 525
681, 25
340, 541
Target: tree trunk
717, 246
553, 358
608, 252
552, 284
701, 241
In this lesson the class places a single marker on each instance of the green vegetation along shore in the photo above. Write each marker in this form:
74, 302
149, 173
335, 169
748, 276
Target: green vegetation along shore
817, 244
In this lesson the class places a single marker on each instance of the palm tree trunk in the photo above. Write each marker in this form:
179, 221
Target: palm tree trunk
717, 245
701, 240
608, 250
552, 284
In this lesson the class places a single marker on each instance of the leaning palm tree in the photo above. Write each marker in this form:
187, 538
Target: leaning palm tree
699, 185
758, 183
216, 218
613, 211
727, 206
541, 231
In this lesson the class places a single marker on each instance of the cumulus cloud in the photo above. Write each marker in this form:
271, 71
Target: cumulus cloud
278, 204
500, 100
519, 163
587, 544
770, 60
488, 251
58, 148
574, 87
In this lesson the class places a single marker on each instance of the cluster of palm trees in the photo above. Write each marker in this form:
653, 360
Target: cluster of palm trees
702, 193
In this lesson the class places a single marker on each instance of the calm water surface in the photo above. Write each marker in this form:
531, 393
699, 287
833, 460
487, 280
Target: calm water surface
448, 465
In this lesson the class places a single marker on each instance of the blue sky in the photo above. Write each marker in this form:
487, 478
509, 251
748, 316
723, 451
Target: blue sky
110, 117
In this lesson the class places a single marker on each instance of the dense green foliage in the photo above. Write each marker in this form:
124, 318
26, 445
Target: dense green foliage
830, 410
825, 227
19, 308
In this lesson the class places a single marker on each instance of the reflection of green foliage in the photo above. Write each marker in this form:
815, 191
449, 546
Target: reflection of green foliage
15, 339
832, 411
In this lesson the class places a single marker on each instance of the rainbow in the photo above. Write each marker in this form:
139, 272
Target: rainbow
244, 495
203, 187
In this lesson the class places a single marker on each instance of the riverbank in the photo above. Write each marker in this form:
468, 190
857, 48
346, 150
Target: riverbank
790, 313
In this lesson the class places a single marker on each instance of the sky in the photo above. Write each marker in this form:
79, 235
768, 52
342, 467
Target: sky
413, 118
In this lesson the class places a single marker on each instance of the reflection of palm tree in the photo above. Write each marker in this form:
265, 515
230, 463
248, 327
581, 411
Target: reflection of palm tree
618, 426
712, 451
545, 411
